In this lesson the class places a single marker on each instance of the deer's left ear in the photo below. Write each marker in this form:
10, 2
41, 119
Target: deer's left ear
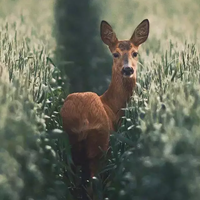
141, 33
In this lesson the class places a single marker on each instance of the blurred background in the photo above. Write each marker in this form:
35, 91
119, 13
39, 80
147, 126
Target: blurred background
77, 25
51, 48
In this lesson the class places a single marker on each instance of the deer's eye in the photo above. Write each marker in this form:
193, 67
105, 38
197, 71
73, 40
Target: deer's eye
116, 55
134, 54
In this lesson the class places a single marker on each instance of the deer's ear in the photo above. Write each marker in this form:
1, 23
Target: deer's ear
141, 33
108, 36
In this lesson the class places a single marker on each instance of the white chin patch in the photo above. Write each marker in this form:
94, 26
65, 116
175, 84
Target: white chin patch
125, 76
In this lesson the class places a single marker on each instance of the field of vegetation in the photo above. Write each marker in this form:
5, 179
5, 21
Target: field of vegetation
155, 154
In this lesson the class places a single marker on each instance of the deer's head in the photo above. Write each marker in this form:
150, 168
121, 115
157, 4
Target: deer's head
125, 52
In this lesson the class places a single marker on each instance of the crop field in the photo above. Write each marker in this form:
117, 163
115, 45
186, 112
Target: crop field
155, 154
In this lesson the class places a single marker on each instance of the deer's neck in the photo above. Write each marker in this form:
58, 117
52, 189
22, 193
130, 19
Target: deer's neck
118, 94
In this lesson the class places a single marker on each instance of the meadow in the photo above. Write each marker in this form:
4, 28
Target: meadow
155, 154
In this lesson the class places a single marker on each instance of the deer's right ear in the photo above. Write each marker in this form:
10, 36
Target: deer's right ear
108, 36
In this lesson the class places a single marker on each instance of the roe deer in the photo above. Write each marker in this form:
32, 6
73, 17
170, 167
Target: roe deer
88, 119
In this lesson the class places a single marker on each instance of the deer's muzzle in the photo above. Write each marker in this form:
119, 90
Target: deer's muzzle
127, 71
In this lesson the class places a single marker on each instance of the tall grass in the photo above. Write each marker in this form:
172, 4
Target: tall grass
29, 166
154, 154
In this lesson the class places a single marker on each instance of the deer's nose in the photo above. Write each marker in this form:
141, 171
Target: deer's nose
127, 71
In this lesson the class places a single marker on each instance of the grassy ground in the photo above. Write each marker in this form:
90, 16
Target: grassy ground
156, 154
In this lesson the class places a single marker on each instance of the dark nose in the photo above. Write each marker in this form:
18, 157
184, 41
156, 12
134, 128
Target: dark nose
127, 71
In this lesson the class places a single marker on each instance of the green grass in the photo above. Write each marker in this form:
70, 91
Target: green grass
29, 168
156, 153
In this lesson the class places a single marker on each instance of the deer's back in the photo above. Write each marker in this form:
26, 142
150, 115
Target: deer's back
82, 112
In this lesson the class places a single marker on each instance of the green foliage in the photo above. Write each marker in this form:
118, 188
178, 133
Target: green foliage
80, 52
155, 154
30, 168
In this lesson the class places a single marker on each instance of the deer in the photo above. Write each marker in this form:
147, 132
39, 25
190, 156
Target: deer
89, 119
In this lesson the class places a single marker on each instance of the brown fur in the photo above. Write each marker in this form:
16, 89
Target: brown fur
125, 45
88, 119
